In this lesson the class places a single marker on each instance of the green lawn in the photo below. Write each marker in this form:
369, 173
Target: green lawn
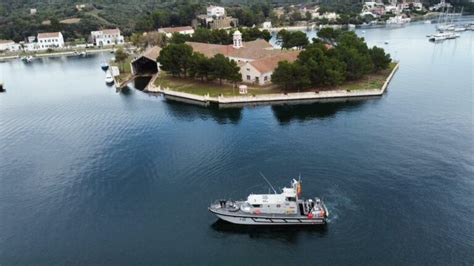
372, 81
125, 69
214, 89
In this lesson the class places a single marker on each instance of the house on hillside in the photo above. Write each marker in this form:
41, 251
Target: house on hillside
186, 30
49, 40
107, 37
215, 18
257, 59
7, 45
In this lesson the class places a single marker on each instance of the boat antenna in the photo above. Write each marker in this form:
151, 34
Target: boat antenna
268, 182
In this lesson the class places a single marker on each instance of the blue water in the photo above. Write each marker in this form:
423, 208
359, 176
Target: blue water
92, 176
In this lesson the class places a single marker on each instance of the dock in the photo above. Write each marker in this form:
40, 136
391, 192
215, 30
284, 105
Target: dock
270, 98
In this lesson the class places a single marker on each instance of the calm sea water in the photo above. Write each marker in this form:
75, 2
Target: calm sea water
92, 176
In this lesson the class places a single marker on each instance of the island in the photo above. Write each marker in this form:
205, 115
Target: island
336, 64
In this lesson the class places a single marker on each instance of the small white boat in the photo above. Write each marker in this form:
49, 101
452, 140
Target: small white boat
459, 29
397, 20
109, 79
27, 59
443, 36
427, 21
83, 53
445, 27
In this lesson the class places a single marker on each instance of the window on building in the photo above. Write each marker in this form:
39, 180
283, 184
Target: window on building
248, 77
265, 78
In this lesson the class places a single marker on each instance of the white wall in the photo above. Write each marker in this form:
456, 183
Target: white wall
250, 75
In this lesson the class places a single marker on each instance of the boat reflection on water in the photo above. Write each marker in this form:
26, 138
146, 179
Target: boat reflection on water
283, 233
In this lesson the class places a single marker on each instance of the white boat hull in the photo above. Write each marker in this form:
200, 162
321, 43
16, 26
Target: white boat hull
267, 220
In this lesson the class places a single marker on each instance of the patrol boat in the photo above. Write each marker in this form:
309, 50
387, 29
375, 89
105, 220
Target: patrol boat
286, 208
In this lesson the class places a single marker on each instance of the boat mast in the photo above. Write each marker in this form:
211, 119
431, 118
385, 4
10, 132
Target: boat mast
268, 182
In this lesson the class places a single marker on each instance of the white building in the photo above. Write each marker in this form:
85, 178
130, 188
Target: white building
326, 15
49, 40
186, 30
7, 45
215, 11
107, 37
33, 11
267, 25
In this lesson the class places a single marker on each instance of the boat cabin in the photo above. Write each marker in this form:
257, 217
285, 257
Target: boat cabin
283, 203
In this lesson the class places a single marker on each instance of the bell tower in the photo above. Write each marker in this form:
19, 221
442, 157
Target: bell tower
237, 37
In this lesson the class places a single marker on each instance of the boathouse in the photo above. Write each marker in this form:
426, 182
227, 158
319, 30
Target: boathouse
147, 62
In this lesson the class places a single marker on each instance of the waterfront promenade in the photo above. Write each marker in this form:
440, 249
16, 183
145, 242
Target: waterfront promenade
273, 97
57, 53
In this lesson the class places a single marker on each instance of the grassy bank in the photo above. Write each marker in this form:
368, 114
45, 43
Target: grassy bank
125, 69
214, 89
372, 81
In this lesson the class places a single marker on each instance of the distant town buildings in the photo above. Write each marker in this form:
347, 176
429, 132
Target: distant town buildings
215, 18
215, 11
80, 7
33, 11
186, 30
107, 37
331, 16
440, 6
375, 9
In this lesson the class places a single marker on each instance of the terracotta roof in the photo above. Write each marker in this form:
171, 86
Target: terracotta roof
268, 64
6, 41
251, 50
258, 43
210, 50
111, 31
49, 35
175, 29
151, 53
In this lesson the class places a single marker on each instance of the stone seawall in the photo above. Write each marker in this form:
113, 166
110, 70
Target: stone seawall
276, 97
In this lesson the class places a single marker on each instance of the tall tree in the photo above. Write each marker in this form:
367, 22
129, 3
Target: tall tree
380, 59
291, 75
200, 66
176, 58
